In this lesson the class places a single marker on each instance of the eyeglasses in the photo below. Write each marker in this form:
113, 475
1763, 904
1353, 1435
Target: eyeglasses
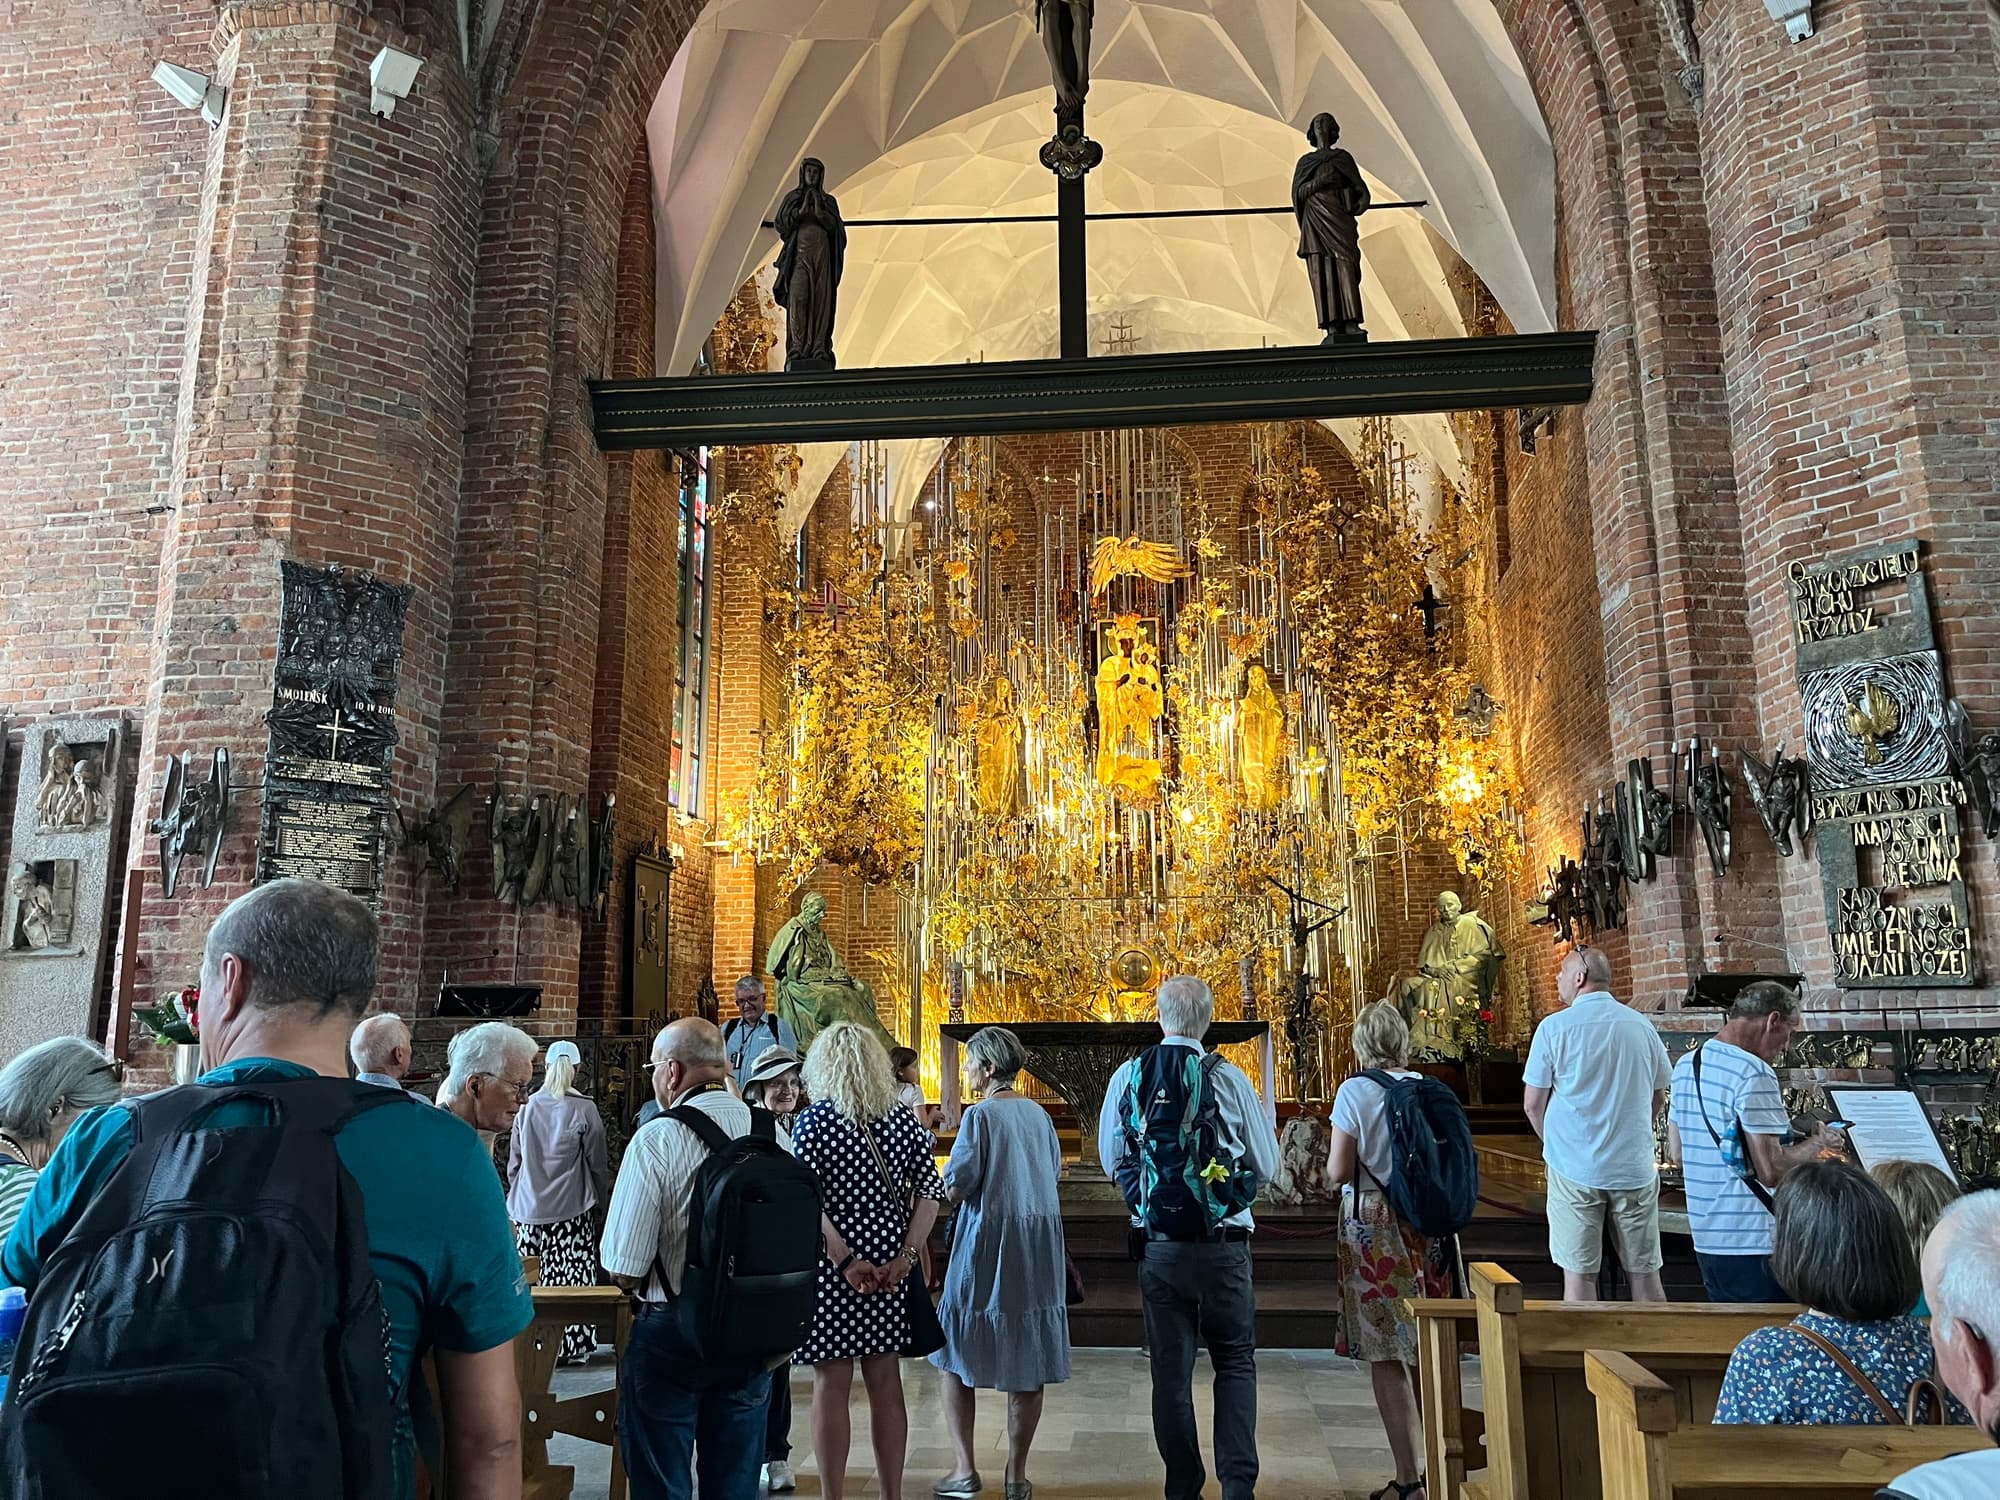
523, 1092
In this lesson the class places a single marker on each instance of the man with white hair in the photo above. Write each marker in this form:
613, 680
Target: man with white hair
1199, 1111
672, 1401
1597, 1077
380, 1050
753, 1030
1962, 1286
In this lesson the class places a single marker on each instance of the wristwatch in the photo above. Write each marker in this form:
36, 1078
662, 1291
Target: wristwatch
841, 1269
912, 1254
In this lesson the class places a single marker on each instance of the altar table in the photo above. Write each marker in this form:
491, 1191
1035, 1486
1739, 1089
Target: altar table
1077, 1059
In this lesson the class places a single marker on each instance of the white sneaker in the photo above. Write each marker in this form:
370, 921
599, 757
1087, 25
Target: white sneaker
778, 1478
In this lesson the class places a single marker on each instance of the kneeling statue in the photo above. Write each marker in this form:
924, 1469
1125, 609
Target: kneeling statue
814, 987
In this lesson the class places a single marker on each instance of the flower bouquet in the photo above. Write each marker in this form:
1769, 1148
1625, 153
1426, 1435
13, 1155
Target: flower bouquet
173, 1022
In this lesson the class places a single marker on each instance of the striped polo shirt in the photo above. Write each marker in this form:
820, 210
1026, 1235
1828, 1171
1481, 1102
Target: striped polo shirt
1739, 1092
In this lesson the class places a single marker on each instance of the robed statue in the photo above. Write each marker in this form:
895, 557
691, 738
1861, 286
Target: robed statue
997, 737
809, 268
1261, 742
814, 987
1458, 966
1329, 197
1065, 29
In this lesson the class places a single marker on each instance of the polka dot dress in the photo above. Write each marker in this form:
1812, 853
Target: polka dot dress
873, 1221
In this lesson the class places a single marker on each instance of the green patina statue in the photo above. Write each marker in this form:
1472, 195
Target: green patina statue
814, 987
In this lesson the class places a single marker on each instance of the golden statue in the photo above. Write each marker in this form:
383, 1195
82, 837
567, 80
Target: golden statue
1260, 750
1130, 698
997, 737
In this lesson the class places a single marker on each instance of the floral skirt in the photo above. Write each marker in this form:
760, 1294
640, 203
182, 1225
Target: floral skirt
568, 1254
1383, 1260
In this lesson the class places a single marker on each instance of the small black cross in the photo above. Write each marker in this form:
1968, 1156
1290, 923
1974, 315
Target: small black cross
1430, 605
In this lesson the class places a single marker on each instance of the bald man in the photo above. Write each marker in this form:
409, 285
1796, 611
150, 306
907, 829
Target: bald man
1597, 1078
673, 1401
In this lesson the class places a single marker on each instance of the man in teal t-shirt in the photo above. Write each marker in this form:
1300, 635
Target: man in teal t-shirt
288, 970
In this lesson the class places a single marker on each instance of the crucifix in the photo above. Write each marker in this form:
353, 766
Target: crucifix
1430, 604
334, 730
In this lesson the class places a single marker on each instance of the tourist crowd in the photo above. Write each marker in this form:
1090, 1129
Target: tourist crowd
773, 1211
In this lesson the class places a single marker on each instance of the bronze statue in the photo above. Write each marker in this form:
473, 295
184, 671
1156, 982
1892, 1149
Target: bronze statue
440, 837
1782, 794
1065, 28
603, 847
814, 987
1710, 797
1458, 965
1329, 197
809, 268
1653, 809
512, 833
192, 815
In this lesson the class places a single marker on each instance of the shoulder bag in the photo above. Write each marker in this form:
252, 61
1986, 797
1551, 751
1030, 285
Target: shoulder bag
926, 1333
1749, 1179
1924, 1406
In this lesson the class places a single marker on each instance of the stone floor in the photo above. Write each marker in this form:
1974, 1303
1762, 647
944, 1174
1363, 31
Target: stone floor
1318, 1435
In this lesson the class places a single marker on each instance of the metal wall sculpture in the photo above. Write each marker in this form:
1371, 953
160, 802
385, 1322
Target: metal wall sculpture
193, 816
332, 729
1885, 798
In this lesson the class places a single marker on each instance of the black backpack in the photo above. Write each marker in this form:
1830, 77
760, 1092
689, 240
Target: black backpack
211, 1323
753, 1245
1175, 1173
1434, 1178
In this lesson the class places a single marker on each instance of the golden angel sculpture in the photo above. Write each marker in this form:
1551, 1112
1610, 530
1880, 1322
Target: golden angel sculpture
1130, 699
1114, 559
1260, 747
997, 740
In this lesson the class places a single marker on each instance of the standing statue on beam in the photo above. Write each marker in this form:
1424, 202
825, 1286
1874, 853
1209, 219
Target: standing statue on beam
1065, 29
809, 268
1329, 197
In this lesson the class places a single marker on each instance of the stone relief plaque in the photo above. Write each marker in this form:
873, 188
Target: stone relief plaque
1883, 793
332, 729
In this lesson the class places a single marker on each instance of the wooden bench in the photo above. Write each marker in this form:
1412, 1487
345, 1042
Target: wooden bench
1539, 1420
1649, 1448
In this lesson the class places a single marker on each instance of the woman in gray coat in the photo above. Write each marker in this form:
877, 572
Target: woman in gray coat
1006, 1325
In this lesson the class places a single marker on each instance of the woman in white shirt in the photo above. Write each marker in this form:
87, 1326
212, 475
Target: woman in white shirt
1382, 1259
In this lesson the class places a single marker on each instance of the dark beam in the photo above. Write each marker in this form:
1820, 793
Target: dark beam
1139, 390
1072, 268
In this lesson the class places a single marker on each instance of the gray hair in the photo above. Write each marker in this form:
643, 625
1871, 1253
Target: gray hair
1186, 1007
485, 1049
1764, 998
692, 1046
999, 1051
67, 1072
1968, 1283
375, 1041
749, 987
303, 943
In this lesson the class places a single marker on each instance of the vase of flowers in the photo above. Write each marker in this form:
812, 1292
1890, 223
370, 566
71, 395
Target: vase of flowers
175, 1023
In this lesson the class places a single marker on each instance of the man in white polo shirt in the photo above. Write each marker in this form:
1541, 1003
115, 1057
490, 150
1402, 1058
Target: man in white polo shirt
1728, 1129
1597, 1078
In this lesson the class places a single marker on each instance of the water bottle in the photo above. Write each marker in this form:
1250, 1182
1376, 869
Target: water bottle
13, 1313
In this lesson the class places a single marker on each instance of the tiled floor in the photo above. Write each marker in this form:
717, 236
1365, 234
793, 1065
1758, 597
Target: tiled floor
1318, 1434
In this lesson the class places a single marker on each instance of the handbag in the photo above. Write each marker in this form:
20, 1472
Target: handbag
926, 1333
1924, 1407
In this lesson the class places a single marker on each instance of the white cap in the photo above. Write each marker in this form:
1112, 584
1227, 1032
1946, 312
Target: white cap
564, 1049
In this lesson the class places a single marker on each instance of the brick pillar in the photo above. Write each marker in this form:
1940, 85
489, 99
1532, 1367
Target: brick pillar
1852, 189
321, 403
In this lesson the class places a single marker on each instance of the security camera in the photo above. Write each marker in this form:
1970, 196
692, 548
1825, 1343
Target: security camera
390, 77
192, 89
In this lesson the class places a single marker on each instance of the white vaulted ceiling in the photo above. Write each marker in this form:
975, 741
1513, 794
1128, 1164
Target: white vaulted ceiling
939, 107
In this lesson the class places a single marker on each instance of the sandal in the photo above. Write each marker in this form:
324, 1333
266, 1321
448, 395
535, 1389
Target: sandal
1402, 1491
957, 1489
1019, 1489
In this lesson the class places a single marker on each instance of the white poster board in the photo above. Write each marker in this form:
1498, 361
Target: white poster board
1888, 1125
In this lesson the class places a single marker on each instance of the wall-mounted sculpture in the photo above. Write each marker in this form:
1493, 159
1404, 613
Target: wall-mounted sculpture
193, 816
603, 845
441, 836
1781, 791
513, 831
1710, 799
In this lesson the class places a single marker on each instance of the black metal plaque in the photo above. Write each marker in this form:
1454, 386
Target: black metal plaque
332, 729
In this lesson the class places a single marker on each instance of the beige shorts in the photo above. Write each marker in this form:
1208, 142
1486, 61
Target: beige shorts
1576, 1226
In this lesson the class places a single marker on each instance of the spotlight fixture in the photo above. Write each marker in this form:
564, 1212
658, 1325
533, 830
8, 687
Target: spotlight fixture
192, 89
390, 77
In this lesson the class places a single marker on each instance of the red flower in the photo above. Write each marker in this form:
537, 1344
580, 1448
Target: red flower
1486, 1015
190, 1007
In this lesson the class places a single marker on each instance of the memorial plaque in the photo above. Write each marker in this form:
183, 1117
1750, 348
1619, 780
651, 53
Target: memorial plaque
1884, 798
646, 961
333, 729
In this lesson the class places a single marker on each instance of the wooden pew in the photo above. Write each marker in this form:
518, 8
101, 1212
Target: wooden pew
1538, 1417
1649, 1449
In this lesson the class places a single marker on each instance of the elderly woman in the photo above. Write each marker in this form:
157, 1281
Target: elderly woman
1006, 1325
42, 1093
882, 1191
492, 1073
1921, 1194
1382, 1259
1855, 1353
775, 1083
556, 1177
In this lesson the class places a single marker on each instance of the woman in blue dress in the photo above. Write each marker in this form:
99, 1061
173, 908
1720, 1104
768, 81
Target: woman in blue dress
1006, 1323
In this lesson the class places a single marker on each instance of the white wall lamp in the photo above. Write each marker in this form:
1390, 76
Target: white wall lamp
193, 89
1795, 15
390, 78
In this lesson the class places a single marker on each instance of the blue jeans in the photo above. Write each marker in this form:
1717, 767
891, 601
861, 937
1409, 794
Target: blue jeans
1740, 1278
674, 1409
